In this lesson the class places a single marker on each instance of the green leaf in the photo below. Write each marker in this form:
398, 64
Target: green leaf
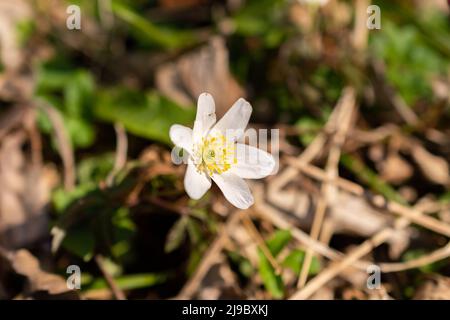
149, 116
25, 30
278, 241
124, 229
132, 281
257, 17
95, 169
272, 282
71, 92
81, 131
61, 198
80, 242
49, 79
445, 198
194, 230
176, 234
243, 264
370, 177
294, 262
309, 128
410, 71
195, 257
78, 94
158, 35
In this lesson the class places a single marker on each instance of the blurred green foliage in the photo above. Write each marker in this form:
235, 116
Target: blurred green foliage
273, 281
263, 18
294, 261
410, 63
72, 93
148, 33
145, 114
415, 47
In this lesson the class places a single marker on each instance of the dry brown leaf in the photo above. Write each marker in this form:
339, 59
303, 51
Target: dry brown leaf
203, 70
14, 87
301, 16
24, 193
246, 245
219, 283
441, 88
395, 169
353, 215
376, 152
24, 263
435, 168
408, 193
444, 215
348, 214
436, 288
11, 118
324, 293
159, 161
353, 294
11, 13
338, 13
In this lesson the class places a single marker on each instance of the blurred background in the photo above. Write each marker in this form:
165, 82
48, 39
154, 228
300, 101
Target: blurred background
86, 177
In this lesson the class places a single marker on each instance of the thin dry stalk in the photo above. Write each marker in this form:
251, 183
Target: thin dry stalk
272, 215
210, 257
377, 200
64, 145
336, 268
121, 152
437, 255
345, 111
251, 228
360, 31
118, 293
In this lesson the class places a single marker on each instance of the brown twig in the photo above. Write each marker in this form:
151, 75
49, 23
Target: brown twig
360, 31
272, 215
363, 249
209, 258
404, 110
168, 205
35, 140
64, 144
118, 293
377, 200
437, 255
248, 223
345, 109
336, 268
121, 152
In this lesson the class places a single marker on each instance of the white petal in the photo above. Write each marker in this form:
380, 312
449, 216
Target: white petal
181, 136
234, 122
252, 163
206, 115
195, 183
234, 189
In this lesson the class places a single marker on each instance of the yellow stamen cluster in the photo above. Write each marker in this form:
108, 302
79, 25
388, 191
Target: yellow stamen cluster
215, 154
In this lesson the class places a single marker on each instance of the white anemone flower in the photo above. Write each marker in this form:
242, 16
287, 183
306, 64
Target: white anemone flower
214, 152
